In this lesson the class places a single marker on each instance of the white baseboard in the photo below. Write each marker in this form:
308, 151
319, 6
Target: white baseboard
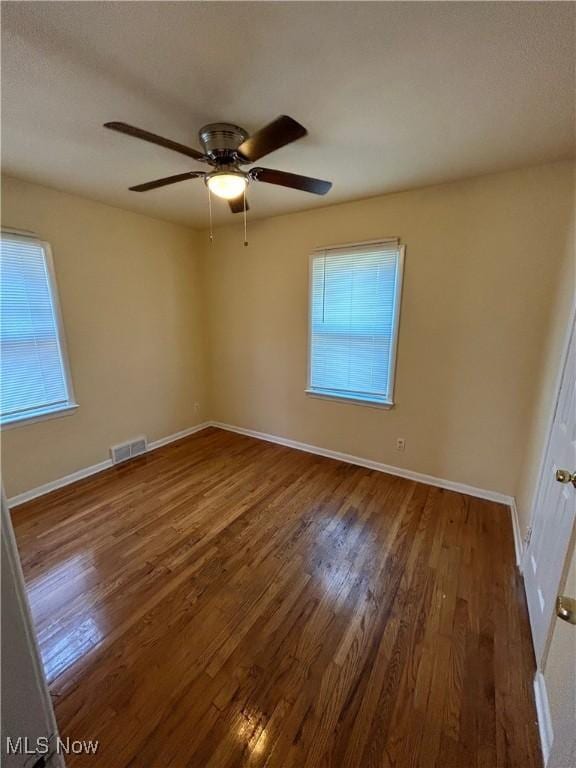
418, 477
345, 457
177, 436
544, 718
53, 485
518, 541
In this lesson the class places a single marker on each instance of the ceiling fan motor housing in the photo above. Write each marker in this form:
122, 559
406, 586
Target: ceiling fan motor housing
221, 140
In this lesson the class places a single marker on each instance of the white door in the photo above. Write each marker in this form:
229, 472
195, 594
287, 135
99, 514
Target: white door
560, 680
554, 513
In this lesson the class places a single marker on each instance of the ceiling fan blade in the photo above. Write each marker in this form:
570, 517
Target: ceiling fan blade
139, 133
237, 204
292, 180
167, 180
284, 130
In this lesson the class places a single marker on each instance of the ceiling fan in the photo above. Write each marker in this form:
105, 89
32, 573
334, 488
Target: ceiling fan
227, 147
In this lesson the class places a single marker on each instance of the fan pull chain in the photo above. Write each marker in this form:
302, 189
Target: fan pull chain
324, 290
210, 215
245, 233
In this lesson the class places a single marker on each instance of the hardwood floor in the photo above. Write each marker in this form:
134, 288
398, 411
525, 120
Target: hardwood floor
228, 602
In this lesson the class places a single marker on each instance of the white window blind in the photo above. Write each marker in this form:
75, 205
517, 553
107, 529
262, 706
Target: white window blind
34, 380
355, 294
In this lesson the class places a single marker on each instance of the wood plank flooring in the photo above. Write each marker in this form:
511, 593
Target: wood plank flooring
228, 602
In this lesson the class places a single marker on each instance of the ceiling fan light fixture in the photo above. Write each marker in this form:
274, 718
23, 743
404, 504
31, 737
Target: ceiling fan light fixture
226, 184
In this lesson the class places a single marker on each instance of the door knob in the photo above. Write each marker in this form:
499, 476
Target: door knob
566, 609
564, 476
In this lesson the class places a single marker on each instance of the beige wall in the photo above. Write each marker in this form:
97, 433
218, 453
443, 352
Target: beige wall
480, 276
487, 290
132, 307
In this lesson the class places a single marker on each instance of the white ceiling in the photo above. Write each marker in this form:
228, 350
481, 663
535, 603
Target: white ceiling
394, 95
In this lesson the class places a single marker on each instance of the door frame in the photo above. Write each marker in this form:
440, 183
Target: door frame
28, 653
569, 333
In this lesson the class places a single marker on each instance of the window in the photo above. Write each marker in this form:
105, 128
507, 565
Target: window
35, 383
354, 309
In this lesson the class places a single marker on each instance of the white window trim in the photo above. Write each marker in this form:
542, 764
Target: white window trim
70, 406
351, 399
41, 414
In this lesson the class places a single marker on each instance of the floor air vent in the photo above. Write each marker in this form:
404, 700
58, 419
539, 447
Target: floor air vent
125, 451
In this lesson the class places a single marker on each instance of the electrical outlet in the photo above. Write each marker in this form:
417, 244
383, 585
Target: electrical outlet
400, 444
196, 407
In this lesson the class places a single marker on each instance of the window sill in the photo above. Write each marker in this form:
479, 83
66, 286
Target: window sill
350, 399
40, 415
